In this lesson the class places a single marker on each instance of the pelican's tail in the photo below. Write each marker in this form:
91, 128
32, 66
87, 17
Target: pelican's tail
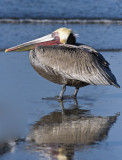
109, 76
116, 85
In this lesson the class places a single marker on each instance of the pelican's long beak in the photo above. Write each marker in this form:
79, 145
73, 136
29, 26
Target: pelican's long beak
49, 39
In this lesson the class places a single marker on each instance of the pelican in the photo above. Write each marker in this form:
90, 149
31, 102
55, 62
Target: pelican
58, 58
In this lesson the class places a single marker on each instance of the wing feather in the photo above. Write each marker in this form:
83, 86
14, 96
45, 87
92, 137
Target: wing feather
77, 62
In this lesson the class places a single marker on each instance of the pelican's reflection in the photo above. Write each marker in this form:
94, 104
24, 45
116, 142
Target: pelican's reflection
63, 133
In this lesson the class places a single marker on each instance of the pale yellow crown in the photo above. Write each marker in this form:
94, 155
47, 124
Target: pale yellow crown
63, 34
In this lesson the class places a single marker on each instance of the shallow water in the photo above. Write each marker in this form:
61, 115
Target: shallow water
100, 36
35, 128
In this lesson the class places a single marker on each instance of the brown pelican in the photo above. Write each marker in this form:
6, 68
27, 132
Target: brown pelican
58, 58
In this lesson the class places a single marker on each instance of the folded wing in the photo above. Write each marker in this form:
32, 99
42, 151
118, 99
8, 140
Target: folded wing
77, 62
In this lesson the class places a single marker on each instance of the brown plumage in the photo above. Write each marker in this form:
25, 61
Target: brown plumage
72, 65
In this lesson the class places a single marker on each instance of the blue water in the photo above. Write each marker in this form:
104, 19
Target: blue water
13, 34
60, 9
24, 115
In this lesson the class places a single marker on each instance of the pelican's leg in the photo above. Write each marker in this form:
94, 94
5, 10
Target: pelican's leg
76, 102
76, 91
62, 106
62, 91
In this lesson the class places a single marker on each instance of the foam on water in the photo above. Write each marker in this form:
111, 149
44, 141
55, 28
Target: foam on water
62, 21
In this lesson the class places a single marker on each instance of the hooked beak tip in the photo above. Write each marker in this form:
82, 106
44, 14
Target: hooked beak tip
8, 50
